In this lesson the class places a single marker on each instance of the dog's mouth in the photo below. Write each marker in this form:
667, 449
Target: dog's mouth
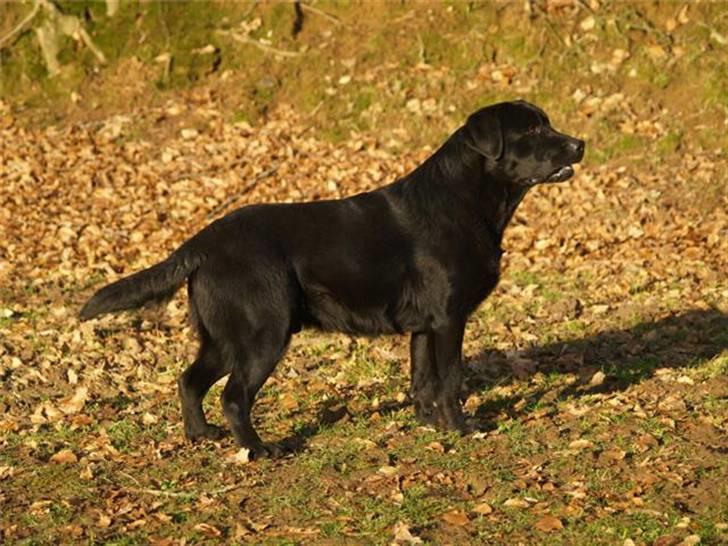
564, 173
559, 175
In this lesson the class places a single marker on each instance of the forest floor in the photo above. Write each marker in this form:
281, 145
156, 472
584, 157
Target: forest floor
596, 373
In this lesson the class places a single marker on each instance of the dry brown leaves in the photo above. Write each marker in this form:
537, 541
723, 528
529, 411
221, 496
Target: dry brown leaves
87, 203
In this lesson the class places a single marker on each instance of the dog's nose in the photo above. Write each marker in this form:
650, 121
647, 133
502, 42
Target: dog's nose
577, 146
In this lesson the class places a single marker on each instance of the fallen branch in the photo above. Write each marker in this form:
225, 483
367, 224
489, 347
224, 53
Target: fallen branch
333, 18
244, 39
17, 29
159, 492
222, 206
173, 494
55, 25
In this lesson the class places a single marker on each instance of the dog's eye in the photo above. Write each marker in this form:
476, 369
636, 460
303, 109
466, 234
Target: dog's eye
536, 129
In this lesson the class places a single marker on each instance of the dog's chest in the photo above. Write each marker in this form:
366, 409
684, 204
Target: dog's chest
484, 279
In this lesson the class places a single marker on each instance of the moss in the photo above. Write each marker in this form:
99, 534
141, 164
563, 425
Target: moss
669, 143
363, 99
627, 143
661, 78
715, 88
22, 65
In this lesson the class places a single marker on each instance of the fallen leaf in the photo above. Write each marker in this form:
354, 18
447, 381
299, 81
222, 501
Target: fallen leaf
104, 521
74, 530
477, 486
672, 403
516, 503
581, 444
456, 517
64, 456
242, 456
666, 540
614, 454
207, 529
587, 23
548, 524
403, 535
288, 402
75, 403
597, 379
682, 16
483, 508
436, 446
656, 52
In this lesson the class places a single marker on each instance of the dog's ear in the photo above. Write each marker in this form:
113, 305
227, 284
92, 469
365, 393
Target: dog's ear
484, 133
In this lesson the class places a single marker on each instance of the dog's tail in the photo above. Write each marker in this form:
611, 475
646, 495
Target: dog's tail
154, 284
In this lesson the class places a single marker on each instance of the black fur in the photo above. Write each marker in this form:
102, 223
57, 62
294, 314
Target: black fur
416, 256
155, 284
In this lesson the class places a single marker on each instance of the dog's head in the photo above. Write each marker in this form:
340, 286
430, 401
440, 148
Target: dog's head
519, 144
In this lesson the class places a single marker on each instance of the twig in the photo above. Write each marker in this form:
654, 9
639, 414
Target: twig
132, 478
313, 112
246, 189
8, 36
243, 39
333, 18
403, 18
226, 489
585, 5
552, 28
421, 51
159, 492
174, 494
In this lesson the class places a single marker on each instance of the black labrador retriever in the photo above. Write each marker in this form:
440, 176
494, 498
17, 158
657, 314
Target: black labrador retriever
418, 256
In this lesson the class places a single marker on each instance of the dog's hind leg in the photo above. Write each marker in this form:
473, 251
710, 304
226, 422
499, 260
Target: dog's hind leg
193, 385
197, 379
252, 361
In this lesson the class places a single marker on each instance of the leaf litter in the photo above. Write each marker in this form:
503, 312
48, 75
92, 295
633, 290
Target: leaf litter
596, 371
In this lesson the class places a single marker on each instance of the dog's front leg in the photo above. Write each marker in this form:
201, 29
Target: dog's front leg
423, 378
448, 343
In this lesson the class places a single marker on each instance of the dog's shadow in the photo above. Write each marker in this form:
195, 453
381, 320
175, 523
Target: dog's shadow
624, 357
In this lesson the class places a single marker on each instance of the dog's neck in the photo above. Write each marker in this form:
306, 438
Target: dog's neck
493, 200
500, 201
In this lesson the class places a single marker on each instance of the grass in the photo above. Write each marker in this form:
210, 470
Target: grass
432, 37
354, 479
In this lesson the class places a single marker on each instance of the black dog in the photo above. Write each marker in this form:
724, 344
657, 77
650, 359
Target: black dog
416, 256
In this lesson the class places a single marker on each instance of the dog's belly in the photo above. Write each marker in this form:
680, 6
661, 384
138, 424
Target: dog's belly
377, 314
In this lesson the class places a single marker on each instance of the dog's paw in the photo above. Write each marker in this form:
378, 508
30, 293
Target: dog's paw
428, 416
453, 419
209, 432
267, 451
